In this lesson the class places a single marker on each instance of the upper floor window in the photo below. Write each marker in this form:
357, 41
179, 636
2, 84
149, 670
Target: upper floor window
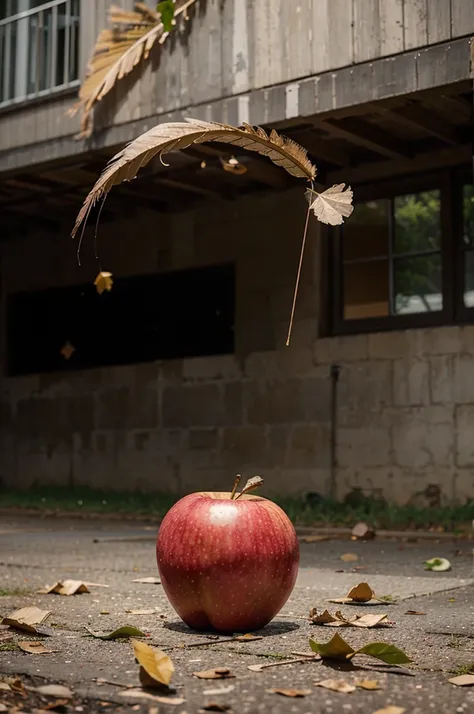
39, 47
406, 256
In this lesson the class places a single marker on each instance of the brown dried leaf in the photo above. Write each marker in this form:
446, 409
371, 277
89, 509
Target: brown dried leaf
174, 136
323, 619
369, 684
304, 658
391, 710
349, 557
361, 593
247, 638
67, 350
65, 587
141, 612
54, 690
464, 680
216, 707
156, 663
333, 205
369, 621
336, 685
290, 692
27, 619
34, 647
58, 704
251, 485
150, 581
140, 694
414, 612
103, 282
362, 531
218, 673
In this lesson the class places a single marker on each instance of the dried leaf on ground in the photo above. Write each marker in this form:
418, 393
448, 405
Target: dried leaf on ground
65, 587
247, 638
218, 673
142, 612
96, 585
369, 621
219, 690
4, 687
140, 694
216, 707
54, 690
313, 538
349, 557
304, 658
414, 612
150, 581
336, 648
290, 692
333, 205
103, 282
34, 647
336, 685
361, 593
322, 619
391, 710
369, 684
125, 631
438, 565
154, 662
339, 620
58, 704
464, 680
362, 531
27, 619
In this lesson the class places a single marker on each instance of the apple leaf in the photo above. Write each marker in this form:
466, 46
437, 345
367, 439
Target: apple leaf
290, 692
336, 685
125, 631
438, 565
251, 485
463, 680
385, 652
336, 648
154, 662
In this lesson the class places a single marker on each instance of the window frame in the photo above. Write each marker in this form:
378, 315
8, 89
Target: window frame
450, 184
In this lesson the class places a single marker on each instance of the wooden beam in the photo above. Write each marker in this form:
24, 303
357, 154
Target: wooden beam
320, 148
429, 161
428, 121
368, 135
191, 188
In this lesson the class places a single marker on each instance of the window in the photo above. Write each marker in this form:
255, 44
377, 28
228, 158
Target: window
171, 315
396, 260
39, 47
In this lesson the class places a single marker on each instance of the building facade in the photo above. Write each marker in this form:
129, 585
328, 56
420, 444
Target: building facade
179, 377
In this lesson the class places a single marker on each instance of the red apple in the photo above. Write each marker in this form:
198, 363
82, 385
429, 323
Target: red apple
228, 565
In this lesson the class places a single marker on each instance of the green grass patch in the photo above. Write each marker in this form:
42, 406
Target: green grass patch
8, 646
464, 669
324, 512
14, 592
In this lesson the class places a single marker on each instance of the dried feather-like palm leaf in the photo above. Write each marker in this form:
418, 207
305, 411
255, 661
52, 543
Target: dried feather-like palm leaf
117, 51
164, 138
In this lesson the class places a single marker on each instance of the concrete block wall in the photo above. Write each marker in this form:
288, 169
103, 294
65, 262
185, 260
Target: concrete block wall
405, 417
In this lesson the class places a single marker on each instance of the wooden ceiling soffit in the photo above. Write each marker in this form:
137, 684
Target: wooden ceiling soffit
369, 135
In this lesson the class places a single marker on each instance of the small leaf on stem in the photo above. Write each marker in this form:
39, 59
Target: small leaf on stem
251, 485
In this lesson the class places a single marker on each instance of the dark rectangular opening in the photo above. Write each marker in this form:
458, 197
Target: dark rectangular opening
180, 314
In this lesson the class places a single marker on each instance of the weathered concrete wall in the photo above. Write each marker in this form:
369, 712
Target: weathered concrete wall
406, 399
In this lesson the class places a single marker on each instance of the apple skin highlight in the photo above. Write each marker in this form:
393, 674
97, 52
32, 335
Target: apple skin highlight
227, 565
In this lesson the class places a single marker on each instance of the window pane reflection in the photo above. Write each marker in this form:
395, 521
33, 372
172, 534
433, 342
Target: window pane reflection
366, 290
417, 222
417, 285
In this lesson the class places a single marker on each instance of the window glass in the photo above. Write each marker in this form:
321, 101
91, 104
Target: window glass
468, 243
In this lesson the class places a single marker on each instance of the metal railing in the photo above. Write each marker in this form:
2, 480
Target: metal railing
39, 48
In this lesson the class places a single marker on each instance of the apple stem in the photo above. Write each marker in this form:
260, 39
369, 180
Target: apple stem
251, 484
236, 483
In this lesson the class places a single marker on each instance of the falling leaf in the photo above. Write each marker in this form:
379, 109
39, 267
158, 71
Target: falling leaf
150, 581
218, 673
362, 531
385, 652
216, 707
336, 648
333, 205
391, 710
313, 538
140, 694
251, 485
290, 692
438, 565
125, 631
349, 557
336, 685
65, 587
156, 663
369, 684
464, 680
54, 690
67, 350
103, 282
27, 619
414, 612
34, 647
219, 690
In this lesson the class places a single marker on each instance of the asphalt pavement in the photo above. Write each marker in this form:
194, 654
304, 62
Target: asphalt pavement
35, 552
